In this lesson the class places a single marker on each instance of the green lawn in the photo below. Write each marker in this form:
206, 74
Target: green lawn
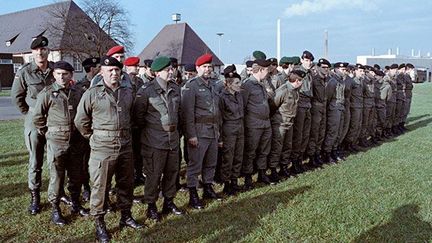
5, 93
382, 195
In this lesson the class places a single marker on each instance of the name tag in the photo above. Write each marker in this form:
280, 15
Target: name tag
70, 107
202, 90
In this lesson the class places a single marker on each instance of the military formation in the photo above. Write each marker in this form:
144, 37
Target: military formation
275, 119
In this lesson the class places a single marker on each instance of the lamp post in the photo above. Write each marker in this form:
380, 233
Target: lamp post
220, 34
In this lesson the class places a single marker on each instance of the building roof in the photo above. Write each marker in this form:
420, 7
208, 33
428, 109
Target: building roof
19, 28
179, 41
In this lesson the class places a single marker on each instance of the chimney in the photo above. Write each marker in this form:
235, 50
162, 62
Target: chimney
326, 44
397, 51
278, 40
389, 51
373, 51
412, 52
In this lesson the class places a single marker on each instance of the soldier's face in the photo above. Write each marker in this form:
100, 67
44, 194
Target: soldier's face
111, 74
62, 77
342, 71
297, 83
205, 70
95, 70
249, 70
189, 75
306, 63
166, 74
132, 70
392, 72
235, 85
119, 56
359, 73
325, 69
40, 54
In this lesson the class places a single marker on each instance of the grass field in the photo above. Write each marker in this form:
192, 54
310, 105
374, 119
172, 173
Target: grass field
381, 195
5, 93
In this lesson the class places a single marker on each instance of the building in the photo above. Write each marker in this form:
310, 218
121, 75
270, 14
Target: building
179, 41
72, 37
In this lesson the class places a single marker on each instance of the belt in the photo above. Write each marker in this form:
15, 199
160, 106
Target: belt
110, 133
60, 129
205, 119
165, 128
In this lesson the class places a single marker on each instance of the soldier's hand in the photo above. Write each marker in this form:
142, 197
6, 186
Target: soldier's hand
193, 141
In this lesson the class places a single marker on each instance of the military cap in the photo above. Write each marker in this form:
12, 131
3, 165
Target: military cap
229, 69
249, 63
308, 55
284, 60
369, 68
394, 66
206, 58
409, 65
262, 62
299, 73
359, 66
131, 61
273, 61
160, 63
231, 75
91, 62
351, 67
173, 60
402, 66
379, 73
387, 67
190, 68
324, 61
341, 64
115, 49
63, 65
148, 62
110, 61
259, 55
376, 66
295, 60
38, 42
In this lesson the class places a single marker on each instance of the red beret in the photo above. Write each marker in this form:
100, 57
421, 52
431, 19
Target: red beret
131, 61
206, 58
115, 49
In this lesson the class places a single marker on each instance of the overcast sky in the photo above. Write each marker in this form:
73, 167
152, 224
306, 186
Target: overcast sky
354, 26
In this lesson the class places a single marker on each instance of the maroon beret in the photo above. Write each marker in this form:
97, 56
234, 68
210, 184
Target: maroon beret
206, 58
131, 61
115, 49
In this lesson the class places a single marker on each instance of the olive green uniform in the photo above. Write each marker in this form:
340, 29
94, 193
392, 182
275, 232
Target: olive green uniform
346, 115
156, 112
257, 125
232, 134
55, 110
368, 107
28, 82
382, 94
83, 84
356, 108
391, 103
408, 96
400, 99
104, 116
201, 117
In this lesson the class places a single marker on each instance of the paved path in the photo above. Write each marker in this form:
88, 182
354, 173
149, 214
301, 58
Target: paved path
8, 111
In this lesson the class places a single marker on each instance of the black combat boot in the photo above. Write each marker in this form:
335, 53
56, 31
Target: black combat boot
152, 212
126, 220
235, 186
284, 172
248, 183
274, 177
227, 189
34, 207
396, 131
209, 193
64, 198
403, 127
56, 216
326, 158
76, 207
102, 234
194, 200
263, 178
169, 207
314, 161
333, 157
297, 167
86, 193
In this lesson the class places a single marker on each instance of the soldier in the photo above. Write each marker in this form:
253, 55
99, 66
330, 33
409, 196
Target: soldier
257, 124
302, 121
148, 73
409, 79
246, 73
320, 76
356, 108
382, 93
335, 106
232, 131
104, 117
156, 111
368, 106
391, 101
201, 116
53, 117
28, 82
285, 102
188, 73
346, 114
400, 100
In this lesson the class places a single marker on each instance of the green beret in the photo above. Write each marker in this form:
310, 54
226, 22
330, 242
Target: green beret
295, 60
259, 55
284, 60
160, 63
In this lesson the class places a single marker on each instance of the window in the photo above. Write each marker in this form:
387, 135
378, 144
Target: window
5, 61
76, 63
17, 66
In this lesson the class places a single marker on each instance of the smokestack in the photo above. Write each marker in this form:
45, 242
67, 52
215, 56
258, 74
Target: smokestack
389, 51
412, 52
326, 44
373, 51
397, 51
278, 40
419, 53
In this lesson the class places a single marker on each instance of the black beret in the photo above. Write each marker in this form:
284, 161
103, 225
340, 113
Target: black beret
232, 75
262, 62
190, 68
376, 66
359, 66
173, 60
110, 61
40, 41
369, 68
229, 69
402, 66
63, 65
394, 66
308, 55
91, 62
387, 67
148, 62
341, 64
249, 63
323, 61
351, 67
379, 73
160, 63
259, 55
409, 65
273, 61
299, 73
